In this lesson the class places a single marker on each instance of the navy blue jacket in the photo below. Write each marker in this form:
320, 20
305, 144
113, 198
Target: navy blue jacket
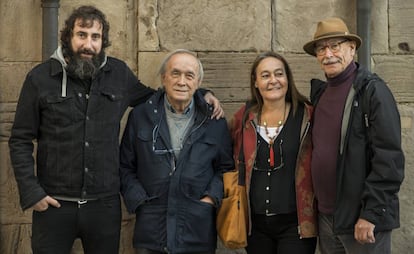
165, 192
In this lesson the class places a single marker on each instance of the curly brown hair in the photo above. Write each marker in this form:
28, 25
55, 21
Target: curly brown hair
87, 14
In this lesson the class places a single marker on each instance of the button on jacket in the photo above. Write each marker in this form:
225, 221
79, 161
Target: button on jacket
76, 129
165, 191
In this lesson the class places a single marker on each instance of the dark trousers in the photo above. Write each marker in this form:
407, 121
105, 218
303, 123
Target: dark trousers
147, 251
278, 234
97, 223
331, 243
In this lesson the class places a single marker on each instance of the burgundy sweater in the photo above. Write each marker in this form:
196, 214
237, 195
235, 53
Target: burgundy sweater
326, 133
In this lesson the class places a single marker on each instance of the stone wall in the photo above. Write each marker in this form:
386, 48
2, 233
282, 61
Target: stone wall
227, 34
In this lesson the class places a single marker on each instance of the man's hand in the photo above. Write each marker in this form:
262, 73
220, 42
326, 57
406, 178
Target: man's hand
364, 231
218, 111
43, 204
207, 199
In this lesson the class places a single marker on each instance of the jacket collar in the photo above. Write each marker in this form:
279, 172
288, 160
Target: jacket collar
59, 66
156, 103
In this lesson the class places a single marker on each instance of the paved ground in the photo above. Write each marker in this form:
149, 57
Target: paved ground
222, 250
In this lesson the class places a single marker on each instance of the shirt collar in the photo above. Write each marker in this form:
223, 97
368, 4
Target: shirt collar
168, 106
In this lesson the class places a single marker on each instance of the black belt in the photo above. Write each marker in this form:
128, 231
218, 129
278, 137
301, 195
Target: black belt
77, 200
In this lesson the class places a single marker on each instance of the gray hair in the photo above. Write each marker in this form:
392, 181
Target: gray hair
163, 67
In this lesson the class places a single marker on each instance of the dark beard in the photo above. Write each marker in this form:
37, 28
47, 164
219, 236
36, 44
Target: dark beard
83, 68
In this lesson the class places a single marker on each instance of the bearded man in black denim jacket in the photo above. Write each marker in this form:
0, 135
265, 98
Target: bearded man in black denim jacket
72, 105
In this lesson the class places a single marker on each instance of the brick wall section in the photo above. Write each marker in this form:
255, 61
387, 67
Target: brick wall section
227, 35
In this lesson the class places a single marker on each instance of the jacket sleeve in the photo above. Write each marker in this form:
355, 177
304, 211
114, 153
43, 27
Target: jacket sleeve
223, 162
236, 129
24, 131
132, 190
386, 164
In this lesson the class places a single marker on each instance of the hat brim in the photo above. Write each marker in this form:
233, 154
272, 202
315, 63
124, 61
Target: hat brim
310, 46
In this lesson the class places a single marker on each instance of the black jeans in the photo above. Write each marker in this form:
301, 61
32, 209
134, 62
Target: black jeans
147, 251
278, 234
97, 223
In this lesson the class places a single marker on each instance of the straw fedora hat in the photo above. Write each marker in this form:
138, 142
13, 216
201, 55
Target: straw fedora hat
330, 28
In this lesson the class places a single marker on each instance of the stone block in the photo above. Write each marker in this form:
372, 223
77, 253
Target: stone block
379, 27
127, 232
304, 68
149, 64
147, 26
10, 211
20, 30
6, 120
397, 71
214, 25
15, 238
402, 237
228, 74
401, 26
228, 35
291, 31
230, 108
12, 76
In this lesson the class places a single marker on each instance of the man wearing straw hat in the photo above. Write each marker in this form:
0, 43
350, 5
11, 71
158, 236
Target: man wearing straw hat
357, 160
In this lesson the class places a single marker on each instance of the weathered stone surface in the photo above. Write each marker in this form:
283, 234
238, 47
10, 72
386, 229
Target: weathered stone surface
291, 30
227, 35
147, 26
149, 64
401, 27
304, 68
228, 74
213, 25
20, 30
6, 120
397, 71
10, 211
15, 239
12, 75
379, 27
402, 237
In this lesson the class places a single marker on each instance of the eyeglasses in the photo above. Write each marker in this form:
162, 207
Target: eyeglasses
154, 141
275, 168
333, 47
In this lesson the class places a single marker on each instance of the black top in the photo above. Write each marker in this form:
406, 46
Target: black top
273, 189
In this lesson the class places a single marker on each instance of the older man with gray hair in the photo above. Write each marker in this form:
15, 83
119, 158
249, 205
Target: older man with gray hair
172, 159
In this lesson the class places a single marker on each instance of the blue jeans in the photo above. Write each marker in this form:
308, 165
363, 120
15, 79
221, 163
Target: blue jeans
331, 243
97, 223
278, 234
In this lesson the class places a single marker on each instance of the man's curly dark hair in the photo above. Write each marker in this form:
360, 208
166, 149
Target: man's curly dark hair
87, 14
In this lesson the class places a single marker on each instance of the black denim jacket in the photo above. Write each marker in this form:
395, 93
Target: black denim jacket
77, 133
